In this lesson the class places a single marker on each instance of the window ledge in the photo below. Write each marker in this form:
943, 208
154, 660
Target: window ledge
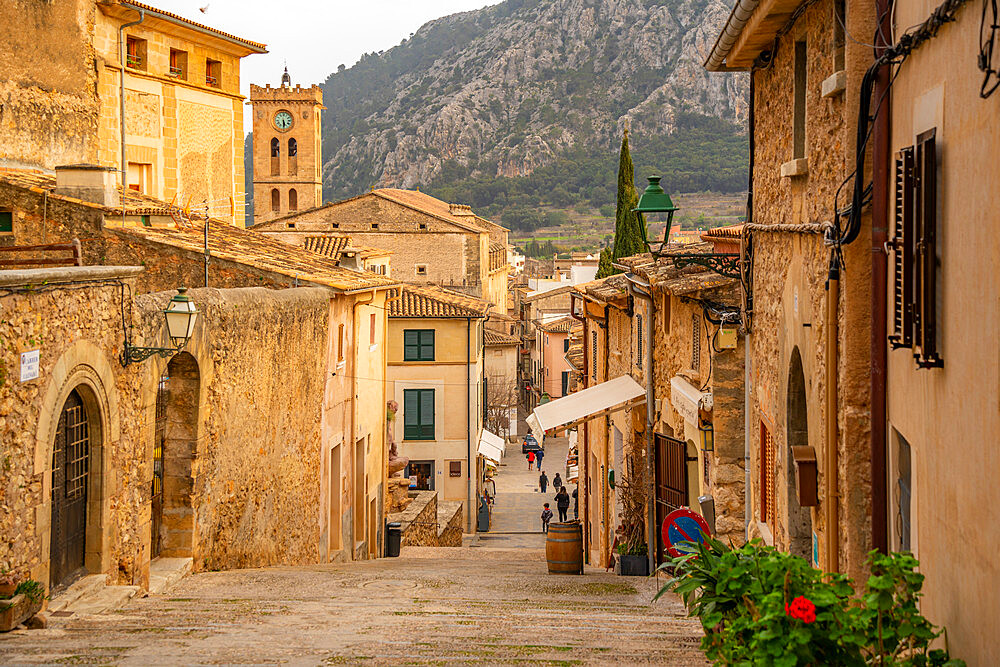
834, 84
797, 167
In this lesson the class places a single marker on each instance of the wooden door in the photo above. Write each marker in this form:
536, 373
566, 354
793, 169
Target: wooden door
70, 477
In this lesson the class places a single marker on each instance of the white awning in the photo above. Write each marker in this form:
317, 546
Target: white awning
491, 446
592, 402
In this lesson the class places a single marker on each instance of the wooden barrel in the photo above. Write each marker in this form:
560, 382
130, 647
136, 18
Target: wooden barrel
564, 548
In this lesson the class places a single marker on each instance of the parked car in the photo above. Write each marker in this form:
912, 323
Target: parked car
529, 444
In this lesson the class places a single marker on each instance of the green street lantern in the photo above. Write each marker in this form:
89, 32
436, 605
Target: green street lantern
655, 200
180, 316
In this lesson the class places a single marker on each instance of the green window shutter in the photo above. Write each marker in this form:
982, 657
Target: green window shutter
411, 346
427, 345
411, 418
427, 414
6, 221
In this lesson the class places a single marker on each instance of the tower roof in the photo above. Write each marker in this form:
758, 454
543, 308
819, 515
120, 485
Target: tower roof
286, 79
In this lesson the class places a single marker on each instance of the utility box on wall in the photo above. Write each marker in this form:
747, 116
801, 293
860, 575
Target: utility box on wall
806, 475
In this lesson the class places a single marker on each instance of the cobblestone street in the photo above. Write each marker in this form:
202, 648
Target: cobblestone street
490, 602
431, 606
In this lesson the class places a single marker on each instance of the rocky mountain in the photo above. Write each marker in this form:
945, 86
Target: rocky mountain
504, 90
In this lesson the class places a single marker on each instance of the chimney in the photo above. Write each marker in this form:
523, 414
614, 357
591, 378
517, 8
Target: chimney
350, 259
89, 182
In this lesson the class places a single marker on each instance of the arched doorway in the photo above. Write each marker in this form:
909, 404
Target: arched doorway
70, 487
797, 430
180, 391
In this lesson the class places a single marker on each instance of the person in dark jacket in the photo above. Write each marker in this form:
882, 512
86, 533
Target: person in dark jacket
546, 517
557, 482
543, 482
562, 502
576, 504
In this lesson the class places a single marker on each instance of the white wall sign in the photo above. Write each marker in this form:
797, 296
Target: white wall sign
29, 365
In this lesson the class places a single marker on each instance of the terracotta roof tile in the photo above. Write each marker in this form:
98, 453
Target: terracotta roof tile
434, 302
456, 214
497, 338
333, 246
261, 251
561, 325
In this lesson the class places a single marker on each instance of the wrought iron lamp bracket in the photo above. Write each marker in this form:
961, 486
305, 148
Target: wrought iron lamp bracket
131, 355
724, 263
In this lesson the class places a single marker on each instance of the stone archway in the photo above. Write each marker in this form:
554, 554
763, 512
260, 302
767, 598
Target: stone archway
179, 443
797, 435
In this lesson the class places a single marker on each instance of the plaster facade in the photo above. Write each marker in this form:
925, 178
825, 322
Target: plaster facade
943, 422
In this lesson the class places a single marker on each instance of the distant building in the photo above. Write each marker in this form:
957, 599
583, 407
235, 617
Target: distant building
433, 242
183, 120
287, 160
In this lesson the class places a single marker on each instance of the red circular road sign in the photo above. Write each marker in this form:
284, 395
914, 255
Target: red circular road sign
683, 525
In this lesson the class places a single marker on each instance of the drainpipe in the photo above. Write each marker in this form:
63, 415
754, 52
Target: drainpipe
582, 460
121, 113
356, 327
642, 290
830, 473
880, 223
748, 337
468, 421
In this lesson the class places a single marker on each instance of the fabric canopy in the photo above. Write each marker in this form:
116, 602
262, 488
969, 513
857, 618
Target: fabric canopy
579, 406
491, 446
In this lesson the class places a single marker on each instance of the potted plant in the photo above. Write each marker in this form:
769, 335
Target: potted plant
25, 603
8, 583
630, 538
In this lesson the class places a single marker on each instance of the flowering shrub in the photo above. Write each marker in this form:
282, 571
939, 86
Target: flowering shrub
760, 606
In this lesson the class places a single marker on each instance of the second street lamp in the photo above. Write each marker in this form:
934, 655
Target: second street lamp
655, 200
180, 315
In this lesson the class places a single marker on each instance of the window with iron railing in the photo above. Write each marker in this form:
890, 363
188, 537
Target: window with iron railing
178, 64
135, 53
213, 72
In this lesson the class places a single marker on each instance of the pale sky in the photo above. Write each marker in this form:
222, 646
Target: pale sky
313, 36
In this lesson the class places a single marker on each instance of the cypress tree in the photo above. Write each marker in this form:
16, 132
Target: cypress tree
630, 227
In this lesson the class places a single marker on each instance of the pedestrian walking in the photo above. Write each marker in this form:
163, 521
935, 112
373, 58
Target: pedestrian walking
562, 502
531, 459
546, 517
539, 456
543, 481
557, 482
576, 504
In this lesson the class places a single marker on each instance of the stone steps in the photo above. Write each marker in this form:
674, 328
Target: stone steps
165, 572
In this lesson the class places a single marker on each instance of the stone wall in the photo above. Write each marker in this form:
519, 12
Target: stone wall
419, 520
49, 113
256, 479
250, 494
450, 522
789, 275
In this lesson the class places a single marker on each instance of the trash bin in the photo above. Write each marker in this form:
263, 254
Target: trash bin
393, 538
484, 516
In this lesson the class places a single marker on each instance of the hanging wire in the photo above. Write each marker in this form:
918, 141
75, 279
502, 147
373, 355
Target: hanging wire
987, 48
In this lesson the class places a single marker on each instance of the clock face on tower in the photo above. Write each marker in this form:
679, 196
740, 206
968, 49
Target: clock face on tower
283, 120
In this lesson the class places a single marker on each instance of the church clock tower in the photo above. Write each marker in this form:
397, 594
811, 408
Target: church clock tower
287, 161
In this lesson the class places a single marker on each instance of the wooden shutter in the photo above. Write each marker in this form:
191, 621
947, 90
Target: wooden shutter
427, 345
638, 340
411, 345
902, 253
426, 414
766, 475
925, 292
411, 416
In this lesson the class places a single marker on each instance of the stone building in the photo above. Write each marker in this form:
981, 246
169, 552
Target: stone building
237, 464
942, 379
433, 242
435, 374
551, 370
807, 305
287, 156
183, 112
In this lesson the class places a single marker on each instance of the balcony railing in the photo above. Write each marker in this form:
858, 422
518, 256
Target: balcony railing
175, 71
133, 61
212, 80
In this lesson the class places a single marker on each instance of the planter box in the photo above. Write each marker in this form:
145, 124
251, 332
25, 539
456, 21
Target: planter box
632, 566
16, 610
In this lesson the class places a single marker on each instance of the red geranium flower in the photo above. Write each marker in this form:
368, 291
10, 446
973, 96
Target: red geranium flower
801, 608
